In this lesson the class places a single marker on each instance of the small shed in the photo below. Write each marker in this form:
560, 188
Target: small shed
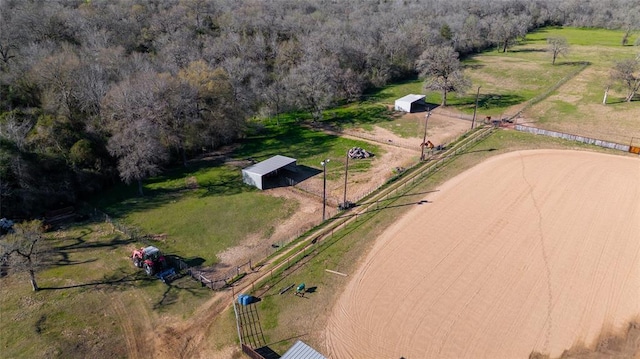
300, 350
410, 103
255, 175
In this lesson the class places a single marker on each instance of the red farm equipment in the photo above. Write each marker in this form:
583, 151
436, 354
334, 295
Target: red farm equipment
150, 258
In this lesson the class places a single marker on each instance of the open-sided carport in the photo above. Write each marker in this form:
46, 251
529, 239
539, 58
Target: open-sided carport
255, 175
410, 103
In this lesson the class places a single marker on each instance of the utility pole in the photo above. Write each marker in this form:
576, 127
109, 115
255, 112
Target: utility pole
324, 188
424, 139
346, 171
473, 122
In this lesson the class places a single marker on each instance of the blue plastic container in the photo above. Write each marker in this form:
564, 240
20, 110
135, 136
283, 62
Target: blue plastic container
241, 299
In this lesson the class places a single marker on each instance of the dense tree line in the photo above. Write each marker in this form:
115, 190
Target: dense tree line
99, 90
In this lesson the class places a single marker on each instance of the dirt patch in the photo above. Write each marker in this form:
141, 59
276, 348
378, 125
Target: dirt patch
444, 126
307, 215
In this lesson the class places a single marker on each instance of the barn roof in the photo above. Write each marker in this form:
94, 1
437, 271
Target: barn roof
411, 98
300, 350
270, 165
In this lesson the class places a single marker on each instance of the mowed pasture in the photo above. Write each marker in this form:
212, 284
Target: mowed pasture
576, 106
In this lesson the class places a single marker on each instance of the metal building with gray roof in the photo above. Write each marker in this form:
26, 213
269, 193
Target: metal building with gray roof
255, 175
300, 350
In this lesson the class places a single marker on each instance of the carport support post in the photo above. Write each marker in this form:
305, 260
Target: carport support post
424, 139
475, 109
324, 188
346, 170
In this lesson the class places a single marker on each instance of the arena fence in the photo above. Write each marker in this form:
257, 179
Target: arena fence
582, 139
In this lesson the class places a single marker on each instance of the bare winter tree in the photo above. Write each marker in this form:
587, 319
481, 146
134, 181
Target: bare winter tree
312, 85
220, 121
631, 24
627, 72
557, 46
505, 31
134, 110
24, 249
179, 128
440, 67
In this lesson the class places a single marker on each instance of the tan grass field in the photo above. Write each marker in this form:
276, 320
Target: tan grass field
528, 251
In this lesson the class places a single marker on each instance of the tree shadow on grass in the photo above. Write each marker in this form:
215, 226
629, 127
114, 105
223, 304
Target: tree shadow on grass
494, 100
385, 93
288, 178
175, 260
473, 66
289, 140
172, 292
572, 63
111, 282
78, 243
526, 50
366, 114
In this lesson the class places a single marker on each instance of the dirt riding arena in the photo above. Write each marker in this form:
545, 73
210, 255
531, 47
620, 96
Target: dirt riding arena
528, 251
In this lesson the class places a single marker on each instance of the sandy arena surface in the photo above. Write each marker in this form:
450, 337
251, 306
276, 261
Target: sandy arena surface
532, 250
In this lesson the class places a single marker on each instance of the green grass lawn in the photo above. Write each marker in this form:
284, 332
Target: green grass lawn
388, 94
581, 36
576, 107
89, 290
205, 208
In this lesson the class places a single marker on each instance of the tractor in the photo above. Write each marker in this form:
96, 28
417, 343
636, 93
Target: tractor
150, 258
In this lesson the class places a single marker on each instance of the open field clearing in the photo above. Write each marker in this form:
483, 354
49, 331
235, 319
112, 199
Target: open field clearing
576, 107
529, 251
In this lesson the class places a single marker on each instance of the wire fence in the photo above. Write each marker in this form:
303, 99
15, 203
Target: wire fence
549, 91
568, 136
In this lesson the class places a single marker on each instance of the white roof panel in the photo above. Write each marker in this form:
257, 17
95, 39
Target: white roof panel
411, 98
300, 350
272, 164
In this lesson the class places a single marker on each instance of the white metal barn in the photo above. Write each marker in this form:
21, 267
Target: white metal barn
410, 103
255, 175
